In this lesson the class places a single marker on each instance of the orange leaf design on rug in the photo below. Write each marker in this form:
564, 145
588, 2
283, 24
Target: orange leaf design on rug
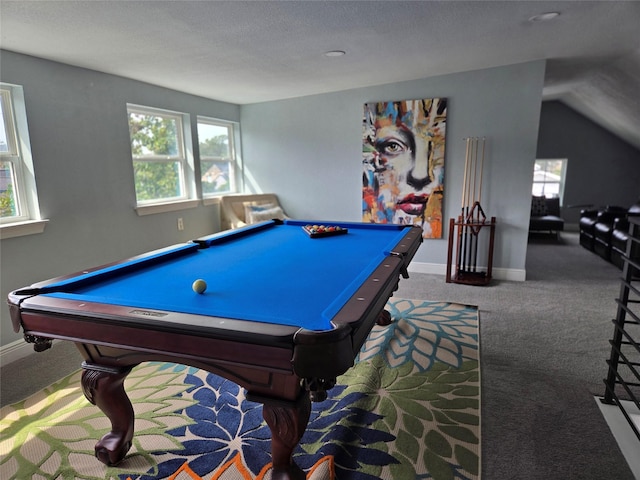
185, 470
323, 469
235, 469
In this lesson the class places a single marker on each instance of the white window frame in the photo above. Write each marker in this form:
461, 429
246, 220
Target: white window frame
560, 182
184, 158
28, 220
233, 159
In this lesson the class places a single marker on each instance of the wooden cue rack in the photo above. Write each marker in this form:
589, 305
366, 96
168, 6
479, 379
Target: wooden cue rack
466, 270
471, 223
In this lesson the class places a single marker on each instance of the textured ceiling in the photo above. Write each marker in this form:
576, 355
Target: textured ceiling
247, 52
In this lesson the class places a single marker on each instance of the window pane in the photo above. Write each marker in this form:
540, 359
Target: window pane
154, 135
216, 177
548, 177
3, 132
213, 140
157, 180
217, 156
8, 202
551, 190
538, 189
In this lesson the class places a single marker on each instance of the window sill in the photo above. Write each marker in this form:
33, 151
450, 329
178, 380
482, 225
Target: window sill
206, 201
21, 229
142, 210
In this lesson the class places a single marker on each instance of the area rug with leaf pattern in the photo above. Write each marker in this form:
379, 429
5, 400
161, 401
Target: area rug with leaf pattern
408, 409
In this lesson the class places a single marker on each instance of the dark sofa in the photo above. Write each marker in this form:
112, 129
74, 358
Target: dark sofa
620, 235
545, 215
605, 231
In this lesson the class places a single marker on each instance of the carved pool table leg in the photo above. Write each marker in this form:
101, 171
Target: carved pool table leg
384, 318
287, 424
104, 387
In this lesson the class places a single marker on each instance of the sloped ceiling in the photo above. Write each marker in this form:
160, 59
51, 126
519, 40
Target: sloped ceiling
247, 52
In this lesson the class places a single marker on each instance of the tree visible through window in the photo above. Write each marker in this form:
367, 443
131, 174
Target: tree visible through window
18, 195
9, 205
158, 151
217, 156
548, 177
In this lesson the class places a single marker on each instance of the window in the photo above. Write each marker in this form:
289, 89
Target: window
217, 156
548, 177
163, 170
18, 196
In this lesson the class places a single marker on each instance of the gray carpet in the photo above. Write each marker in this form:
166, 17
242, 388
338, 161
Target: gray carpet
544, 343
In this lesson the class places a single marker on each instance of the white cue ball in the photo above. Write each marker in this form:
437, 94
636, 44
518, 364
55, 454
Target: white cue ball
199, 286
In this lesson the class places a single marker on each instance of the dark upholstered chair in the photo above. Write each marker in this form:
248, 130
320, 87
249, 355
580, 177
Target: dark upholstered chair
603, 230
620, 235
588, 219
606, 231
545, 215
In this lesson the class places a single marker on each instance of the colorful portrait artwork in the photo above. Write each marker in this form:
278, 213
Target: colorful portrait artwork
403, 147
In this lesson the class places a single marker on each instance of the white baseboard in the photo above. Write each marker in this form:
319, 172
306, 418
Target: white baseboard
572, 227
510, 274
15, 351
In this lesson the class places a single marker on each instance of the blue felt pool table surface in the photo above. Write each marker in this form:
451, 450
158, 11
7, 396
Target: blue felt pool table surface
272, 273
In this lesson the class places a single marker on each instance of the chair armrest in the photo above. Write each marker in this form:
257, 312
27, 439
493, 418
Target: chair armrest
233, 207
591, 213
621, 223
609, 216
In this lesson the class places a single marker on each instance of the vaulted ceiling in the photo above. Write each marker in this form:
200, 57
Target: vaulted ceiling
256, 51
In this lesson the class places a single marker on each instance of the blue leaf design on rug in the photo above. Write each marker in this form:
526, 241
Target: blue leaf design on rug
409, 400
409, 408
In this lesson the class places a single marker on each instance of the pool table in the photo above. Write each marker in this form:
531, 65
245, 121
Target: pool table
284, 313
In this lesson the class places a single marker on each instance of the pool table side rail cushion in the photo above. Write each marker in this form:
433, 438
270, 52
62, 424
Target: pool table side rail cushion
86, 277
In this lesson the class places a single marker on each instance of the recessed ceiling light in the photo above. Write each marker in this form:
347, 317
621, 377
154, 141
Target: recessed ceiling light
544, 17
335, 53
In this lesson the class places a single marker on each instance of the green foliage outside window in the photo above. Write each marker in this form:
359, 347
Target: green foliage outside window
215, 173
156, 138
153, 135
217, 146
7, 205
157, 180
7, 194
215, 140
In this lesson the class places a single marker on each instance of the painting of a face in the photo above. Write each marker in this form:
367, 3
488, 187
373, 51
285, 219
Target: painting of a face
403, 163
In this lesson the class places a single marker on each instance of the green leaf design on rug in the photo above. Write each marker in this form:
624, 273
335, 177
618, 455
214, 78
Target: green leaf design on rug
64, 428
413, 398
429, 413
424, 333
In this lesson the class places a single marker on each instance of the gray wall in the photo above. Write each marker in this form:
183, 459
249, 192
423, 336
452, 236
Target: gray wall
82, 159
602, 169
309, 150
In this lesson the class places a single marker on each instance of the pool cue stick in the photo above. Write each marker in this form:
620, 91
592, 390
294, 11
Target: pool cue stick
464, 178
462, 249
473, 245
481, 170
478, 205
463, 200
465, 226
475, 171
